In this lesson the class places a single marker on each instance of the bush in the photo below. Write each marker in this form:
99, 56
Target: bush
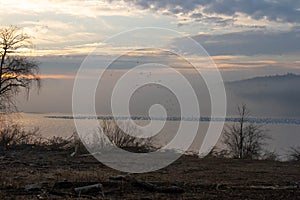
270, 156
55, 143
122, 135
218, 153
125, 136
116, 136
14, 135
294, 153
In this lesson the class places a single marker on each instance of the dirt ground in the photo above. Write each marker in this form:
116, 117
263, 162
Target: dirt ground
56, 174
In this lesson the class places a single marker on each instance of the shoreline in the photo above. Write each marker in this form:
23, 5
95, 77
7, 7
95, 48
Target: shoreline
208, 178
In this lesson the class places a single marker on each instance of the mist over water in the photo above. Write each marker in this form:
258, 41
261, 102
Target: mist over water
272, 100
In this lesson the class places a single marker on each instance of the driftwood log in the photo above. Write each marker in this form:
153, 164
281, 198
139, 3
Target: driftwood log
96, 188
146, 185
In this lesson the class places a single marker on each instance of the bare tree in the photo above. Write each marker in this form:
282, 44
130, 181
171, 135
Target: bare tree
16, 71
244, 139
294, 153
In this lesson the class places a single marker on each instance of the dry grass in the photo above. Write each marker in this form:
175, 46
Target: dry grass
209, 178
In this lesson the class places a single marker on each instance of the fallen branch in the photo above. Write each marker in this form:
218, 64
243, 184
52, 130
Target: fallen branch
96, 188
148, 186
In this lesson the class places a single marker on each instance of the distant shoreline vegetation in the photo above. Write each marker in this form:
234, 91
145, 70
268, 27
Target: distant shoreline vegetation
201, 119
268, 78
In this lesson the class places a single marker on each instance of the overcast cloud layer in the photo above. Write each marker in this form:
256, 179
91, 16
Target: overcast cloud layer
273, 10
249, 43
244, 37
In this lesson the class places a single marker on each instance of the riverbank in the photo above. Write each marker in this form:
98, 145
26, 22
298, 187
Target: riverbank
54, 174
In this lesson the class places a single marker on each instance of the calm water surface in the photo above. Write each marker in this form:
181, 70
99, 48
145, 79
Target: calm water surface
284, 135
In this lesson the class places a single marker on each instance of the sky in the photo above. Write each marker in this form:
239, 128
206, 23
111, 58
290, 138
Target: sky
245, 38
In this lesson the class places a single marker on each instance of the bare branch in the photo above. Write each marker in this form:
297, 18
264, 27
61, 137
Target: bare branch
244, 140
16, 72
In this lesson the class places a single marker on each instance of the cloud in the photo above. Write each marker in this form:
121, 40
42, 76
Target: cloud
91, 8
60, 38
274, 10
249, 43
224, 12
195, 10
56, 76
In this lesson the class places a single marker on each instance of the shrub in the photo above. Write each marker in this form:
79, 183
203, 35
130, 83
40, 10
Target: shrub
218, 153
294, 153
270, 156
122, 135
14, 135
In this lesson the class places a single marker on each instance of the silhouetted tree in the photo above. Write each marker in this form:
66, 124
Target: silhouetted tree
244, 139
16, 71
294, 153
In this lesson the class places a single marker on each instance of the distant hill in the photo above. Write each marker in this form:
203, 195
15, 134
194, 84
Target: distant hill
275, 95
286, 77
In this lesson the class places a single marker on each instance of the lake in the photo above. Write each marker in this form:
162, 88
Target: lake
284, 132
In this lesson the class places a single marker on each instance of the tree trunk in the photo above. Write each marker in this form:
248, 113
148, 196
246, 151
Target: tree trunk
1, 66
242, 113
